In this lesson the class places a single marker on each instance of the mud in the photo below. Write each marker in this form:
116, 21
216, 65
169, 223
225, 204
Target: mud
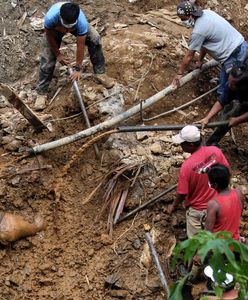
75, 257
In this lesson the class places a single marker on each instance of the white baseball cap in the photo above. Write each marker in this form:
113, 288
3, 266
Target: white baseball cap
189, 133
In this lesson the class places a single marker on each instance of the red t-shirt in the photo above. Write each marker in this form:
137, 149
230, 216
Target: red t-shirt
229, 214
193, 180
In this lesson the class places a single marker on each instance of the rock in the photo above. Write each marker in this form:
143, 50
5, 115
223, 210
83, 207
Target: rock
91, 252
136, 244
15, 180
106, 239
40, 102
7, 139
118, 293
246, 7
13, 146
141, 135
3, 190
22, 95
16, 279
156, 148
153, 284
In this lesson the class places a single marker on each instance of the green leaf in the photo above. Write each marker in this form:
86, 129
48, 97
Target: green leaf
177, 289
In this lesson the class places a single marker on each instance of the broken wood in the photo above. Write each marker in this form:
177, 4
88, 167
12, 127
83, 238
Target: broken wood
27, 113
144, 205
23, 171
123, 116
156, 260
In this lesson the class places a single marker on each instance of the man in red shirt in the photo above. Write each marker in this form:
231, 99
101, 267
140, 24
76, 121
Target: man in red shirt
224, 209
193, 185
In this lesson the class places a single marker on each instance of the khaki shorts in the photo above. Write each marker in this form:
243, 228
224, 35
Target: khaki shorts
194, 221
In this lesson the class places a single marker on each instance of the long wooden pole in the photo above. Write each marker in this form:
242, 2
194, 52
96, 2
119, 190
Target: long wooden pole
123, 116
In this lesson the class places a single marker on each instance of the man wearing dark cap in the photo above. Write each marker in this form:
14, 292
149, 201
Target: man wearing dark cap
62, 18
211, 34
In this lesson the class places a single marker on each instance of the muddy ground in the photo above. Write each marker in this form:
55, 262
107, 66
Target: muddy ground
76, 258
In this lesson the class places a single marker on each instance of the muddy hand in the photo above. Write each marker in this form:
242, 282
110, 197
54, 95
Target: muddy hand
176, 80
198, 64
64, 61
233, 122
203, 121
170, 209
75, 75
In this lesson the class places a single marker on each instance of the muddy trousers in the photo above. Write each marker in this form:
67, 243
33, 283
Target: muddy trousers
48, 59
233, 109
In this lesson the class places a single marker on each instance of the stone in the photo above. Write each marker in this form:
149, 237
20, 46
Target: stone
141, 135
156, 148
13, 146
22, 95
246, 7
40, 102
118, 293
136, 244
16, 279
7, 139
15, 180
3, 190
106, 239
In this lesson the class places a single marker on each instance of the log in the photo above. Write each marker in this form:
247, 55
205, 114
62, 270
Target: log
123, 116
27, 113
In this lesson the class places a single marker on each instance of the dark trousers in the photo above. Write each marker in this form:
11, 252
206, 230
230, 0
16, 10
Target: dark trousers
234, 109
48, 59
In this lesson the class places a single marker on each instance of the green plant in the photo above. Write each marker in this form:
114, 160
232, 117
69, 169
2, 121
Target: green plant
221, 251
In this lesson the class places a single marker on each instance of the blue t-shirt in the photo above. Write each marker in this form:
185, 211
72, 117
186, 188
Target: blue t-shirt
52, 19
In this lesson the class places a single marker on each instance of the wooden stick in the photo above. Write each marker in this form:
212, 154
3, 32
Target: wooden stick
22, 107
144, 205
26, 171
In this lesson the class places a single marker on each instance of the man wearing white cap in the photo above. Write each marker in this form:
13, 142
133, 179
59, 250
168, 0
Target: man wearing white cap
193, 185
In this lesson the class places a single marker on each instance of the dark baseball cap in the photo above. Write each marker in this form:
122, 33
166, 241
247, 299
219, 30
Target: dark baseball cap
187, 8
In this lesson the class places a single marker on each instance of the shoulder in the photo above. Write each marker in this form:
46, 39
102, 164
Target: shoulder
82, 23
213, 204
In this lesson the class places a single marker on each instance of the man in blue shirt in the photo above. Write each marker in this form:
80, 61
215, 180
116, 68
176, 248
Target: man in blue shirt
233, 105
62, 18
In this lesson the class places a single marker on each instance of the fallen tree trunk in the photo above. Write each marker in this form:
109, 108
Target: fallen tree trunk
123, 116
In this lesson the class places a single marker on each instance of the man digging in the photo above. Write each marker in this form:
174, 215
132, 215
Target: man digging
62, 18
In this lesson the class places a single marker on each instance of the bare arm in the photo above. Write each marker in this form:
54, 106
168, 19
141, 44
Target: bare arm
213, 111
79, 57
212, 214
50, 35
202, 54
238, 120
186, 61
80, 50
179, 199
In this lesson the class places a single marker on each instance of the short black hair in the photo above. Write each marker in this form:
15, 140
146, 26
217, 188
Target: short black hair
195, 144
220, 175
69, 12
241, 74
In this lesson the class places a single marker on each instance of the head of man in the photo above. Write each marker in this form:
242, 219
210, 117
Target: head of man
188, 13
69, 13
189, 138
219, 177
238, 78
